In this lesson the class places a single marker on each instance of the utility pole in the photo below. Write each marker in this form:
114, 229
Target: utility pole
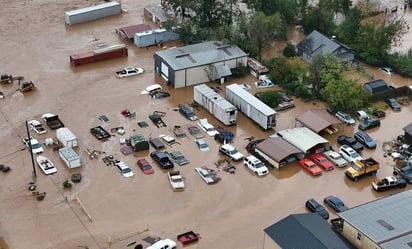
31, 150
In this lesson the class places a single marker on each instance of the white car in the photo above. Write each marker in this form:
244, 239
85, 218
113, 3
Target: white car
231, 152
349, 154
36, 126
386, 70
264, 82
163, 244
206, 127
152, 88
336, 158
207, 175
202, 145
36, 147
124, 169
345, 118
256, 166
129, 71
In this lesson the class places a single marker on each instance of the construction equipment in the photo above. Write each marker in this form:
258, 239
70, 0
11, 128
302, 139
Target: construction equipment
27, 86
6, 78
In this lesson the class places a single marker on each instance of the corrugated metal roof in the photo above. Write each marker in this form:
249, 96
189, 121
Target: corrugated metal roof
277, 148
302, 138
317, 120
386, 221
201, 54
252, 100
214, 97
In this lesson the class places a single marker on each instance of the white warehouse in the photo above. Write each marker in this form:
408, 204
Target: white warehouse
198, 63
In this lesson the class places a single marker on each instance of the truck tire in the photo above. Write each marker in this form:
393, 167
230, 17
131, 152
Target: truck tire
356, 178
373, 173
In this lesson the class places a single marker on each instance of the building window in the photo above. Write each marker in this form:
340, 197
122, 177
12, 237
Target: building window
359, 237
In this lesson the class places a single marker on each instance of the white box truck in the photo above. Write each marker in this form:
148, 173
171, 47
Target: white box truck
66, 137
70, 157
251, 106
215, 104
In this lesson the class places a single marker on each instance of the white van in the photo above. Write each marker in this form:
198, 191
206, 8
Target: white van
362, 115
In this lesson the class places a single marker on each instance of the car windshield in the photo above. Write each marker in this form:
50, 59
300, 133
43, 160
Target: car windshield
259, 165
146, 167
233, 151
203, 145
204, 174
194, 131
36, 146
354, 154
126, 170
310, 165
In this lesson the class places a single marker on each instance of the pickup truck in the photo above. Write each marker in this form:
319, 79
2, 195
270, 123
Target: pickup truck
163, 244
362, 168
129, 71
176, 180
52, 121
387, 183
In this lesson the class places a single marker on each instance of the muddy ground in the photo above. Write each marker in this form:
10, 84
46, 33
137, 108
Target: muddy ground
106, 210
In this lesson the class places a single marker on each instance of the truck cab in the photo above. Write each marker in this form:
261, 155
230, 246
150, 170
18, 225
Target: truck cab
362, 168
176, 180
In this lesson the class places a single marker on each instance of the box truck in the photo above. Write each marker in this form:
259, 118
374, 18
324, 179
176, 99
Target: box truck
92, 13
215, 104
251, 106
70, 157
66, 137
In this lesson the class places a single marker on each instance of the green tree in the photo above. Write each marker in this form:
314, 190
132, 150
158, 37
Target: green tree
318, 18
261, 29
290, 50
271, 98
401, 63
350, 28
345, 95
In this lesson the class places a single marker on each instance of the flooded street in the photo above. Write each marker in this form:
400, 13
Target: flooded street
106, 210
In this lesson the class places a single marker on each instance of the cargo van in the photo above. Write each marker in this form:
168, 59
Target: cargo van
70, 157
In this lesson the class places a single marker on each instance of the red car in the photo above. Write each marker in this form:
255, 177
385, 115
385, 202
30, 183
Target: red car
310, 166
321, 161
145, 166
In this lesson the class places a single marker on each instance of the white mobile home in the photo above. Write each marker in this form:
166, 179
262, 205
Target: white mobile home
251, 106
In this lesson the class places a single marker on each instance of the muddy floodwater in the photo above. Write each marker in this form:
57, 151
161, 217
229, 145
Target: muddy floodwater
106, 210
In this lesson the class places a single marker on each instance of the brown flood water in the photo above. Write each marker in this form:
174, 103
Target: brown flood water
230, 214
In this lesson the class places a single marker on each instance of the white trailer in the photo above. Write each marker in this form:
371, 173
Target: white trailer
70, 157
67, 137
251, 106
153, 37
215, 104
92, 13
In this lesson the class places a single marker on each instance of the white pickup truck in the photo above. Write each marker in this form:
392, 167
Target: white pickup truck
176, 180
129, 71
163, 244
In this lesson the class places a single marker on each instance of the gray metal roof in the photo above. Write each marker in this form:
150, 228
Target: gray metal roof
277, 148
302, 138
386, 221
318, 44
214, 97
317, 120
200, 54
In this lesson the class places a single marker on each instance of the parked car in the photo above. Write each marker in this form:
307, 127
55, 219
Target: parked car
264, 82
159, 95
379, 113
331, 129
394, 104
336, 158
365, 139
369, 124
362, 115
351, 141
231, 152
144, 165
180, 134
202, 145
36, 126
335, 203
349, 154
310, 166
321, 161
123, 169
36, 147
405, 172
224, 137
345, 118
177, 156
386, 70
316, 207
256, 166
207, 175
187, 113
206, 127
151, 89
162, 159
196, 132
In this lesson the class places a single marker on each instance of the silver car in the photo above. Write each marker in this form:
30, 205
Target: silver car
344, 117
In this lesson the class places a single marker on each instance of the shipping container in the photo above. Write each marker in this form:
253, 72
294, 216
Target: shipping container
70, 157
92, 13
111, 52
154, 37
215, 104
251, 106
66, 137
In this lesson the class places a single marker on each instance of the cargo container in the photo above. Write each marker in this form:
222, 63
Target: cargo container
215, 104
251, 106
102, 54
153, 37
92, 13
70, 157
66, 137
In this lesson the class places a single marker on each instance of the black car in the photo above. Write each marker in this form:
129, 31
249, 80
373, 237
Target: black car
379, 113
351, 141
224, 137
187, 112
392, 103
162, 159
315, 206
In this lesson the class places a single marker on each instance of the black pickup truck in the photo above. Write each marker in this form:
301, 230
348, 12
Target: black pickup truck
52, 121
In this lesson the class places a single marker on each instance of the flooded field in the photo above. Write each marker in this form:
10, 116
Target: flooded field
106, 210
